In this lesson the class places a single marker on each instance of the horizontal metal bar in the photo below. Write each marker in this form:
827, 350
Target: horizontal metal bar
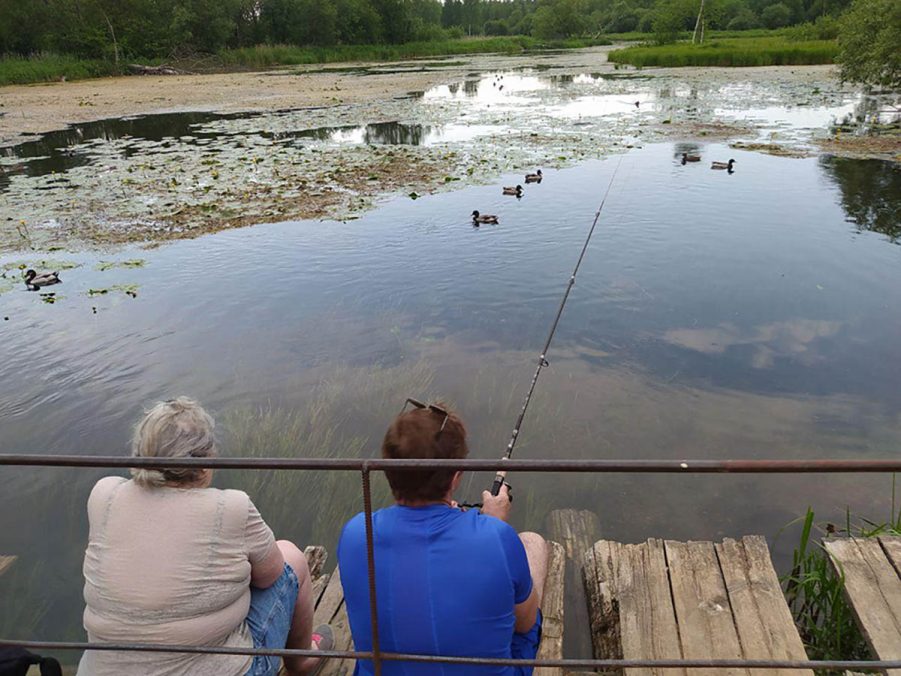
703, 466
396, 657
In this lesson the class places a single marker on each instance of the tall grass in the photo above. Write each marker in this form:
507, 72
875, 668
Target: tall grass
50, 67
262, 56
709, 35
767, 51
815, 589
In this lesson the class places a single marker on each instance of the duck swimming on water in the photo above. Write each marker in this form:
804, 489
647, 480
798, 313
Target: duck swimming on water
478, 218
723, 165
34, 281
517, 191
534, 178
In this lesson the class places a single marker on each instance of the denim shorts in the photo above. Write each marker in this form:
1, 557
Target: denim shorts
269, 620
525, 646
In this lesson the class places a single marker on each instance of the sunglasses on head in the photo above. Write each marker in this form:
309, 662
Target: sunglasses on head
415, 403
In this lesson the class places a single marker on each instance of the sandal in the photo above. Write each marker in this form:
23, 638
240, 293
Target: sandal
324, 637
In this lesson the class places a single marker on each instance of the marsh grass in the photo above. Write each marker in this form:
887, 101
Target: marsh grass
764, 51
815, 591
264, 56
50, 67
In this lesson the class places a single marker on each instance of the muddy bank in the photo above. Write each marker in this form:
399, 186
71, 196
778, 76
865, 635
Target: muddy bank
39, 108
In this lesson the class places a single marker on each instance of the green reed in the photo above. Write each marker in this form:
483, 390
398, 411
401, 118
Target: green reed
814, 588
263, 56
764, 51
49, 67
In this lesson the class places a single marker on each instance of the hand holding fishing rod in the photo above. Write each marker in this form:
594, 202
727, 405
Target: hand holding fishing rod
500, 477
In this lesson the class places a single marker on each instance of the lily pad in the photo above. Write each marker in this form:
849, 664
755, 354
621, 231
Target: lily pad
102, 266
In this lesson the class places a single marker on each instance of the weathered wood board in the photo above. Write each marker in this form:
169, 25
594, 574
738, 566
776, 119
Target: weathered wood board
551, 647
872, 576
762, 618
689, 600
6, 562
577, 531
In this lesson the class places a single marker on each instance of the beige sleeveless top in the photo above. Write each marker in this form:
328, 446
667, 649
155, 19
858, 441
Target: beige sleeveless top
169, 565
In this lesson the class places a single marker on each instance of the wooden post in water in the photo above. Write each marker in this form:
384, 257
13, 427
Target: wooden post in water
6, 562
576, 530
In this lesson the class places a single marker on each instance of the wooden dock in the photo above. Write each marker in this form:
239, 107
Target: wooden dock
692, 600
872, 571
663, 599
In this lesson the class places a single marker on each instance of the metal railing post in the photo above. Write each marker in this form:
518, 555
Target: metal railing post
370, 564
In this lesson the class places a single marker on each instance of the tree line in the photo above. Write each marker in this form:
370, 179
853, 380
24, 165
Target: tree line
119, 29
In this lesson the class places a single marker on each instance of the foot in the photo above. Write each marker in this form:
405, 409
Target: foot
323, 637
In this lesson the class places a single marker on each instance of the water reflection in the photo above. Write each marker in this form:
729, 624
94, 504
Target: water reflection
870, 193
713, 318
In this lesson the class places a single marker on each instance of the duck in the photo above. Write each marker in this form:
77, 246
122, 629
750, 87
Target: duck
690, 158
478, 218
34, 281
723, 165
517, 191
534, 178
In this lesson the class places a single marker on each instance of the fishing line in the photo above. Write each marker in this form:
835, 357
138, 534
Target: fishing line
542, 358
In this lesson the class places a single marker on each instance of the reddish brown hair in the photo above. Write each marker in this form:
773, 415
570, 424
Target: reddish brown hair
415, 434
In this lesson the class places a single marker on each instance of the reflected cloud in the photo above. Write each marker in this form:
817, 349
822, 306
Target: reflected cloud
793, 338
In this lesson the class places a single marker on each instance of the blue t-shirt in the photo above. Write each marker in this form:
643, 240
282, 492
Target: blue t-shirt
446, 584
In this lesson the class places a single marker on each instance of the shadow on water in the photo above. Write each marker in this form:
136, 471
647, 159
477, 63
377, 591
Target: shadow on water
870, 193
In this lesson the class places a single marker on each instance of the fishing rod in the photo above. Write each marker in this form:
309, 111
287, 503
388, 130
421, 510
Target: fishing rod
500, 477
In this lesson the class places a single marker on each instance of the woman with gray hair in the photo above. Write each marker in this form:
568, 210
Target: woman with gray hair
171, 560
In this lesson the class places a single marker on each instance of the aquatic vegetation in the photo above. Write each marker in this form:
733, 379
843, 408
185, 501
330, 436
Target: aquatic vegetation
815, 591
768, 51
127, 289
102, 266
344, 416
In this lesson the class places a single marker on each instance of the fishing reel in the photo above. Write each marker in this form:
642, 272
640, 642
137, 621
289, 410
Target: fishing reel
499, 481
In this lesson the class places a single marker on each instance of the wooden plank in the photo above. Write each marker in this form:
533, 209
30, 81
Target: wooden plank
599, 579
632, 614
873, 589
892, 548
766, 629
576, 531
6, 562
343, 641
551, 647
331, 601
319, 585
703, 611
648, 626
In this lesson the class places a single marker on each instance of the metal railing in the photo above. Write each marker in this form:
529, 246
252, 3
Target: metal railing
367, 466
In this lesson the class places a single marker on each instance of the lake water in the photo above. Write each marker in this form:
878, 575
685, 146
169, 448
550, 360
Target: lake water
744, 315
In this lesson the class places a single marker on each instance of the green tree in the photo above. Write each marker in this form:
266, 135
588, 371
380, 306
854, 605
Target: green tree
870, 41
776, 16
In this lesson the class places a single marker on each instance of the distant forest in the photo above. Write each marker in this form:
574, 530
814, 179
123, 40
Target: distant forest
114, 29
